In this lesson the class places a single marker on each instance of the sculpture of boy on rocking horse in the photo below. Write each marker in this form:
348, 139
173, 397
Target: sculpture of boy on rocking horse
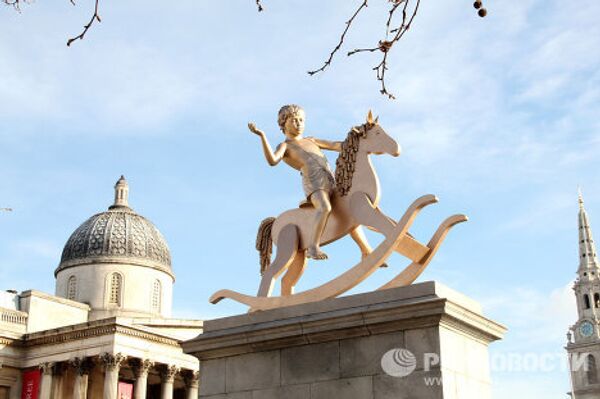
334, 207
304, 154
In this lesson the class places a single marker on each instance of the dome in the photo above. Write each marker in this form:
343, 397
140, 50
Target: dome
118, 235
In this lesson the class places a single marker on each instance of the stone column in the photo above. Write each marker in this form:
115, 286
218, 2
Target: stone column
46, 386
141, 369
168, 378
82, 367
58, 379
191, 379
112, 365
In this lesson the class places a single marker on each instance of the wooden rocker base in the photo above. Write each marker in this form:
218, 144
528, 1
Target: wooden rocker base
360, 271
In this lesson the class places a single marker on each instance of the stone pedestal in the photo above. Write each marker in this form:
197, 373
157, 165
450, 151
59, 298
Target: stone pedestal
334, 349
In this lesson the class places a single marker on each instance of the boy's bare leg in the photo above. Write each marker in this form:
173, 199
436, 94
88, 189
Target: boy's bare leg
320, 200
359, 237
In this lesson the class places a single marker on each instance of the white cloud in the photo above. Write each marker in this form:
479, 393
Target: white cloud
546, 214
529, 386
537, 324
536, 320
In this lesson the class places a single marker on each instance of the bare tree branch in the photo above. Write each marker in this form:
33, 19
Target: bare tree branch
391, 16
339, 45
16, 4
86, 27
383, 45
386, 45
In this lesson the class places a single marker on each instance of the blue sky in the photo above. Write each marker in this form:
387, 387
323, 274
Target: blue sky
496, 116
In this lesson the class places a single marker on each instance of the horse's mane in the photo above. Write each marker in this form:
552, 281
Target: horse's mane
344, 165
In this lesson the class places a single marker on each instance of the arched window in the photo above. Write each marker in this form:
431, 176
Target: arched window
116, 289
156, 294
586, 301
72, 288
592, 370
597, 300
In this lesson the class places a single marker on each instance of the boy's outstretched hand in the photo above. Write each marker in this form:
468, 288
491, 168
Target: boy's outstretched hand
254, 129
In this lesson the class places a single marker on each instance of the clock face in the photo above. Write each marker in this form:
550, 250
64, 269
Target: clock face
586, 329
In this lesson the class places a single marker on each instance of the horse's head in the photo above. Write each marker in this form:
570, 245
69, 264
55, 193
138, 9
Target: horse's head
368, 138
377, 141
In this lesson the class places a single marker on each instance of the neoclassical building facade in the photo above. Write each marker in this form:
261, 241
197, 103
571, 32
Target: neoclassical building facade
107, 332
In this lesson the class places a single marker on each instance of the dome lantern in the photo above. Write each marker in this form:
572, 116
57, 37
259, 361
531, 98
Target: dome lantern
121, 194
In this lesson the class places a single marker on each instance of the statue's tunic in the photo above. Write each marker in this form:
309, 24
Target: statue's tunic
316, 173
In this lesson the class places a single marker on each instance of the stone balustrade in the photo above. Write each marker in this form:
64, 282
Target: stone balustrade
13, 316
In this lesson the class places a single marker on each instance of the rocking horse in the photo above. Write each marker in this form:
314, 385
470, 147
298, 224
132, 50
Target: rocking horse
354, 203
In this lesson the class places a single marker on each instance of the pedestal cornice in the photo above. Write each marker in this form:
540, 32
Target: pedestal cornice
418, 306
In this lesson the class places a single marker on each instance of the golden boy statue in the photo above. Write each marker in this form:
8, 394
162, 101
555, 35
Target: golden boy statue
304, 154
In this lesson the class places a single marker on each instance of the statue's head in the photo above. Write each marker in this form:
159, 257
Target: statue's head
284, 118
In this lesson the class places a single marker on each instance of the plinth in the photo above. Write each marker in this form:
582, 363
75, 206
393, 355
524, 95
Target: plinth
421, 341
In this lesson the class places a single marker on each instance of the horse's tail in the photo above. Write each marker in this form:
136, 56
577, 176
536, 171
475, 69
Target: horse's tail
264, 243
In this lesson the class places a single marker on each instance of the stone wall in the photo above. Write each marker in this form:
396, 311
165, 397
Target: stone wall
349, 369
48, 311
10, 382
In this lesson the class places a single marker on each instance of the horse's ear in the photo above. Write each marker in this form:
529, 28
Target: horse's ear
370, 117
377, 120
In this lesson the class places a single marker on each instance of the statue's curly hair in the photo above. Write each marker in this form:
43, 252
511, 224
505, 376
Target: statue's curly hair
285, 112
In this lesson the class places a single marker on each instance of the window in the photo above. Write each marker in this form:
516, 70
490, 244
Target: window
592, 371
586, 301
156, 294
597, 300
72, 288
116, 288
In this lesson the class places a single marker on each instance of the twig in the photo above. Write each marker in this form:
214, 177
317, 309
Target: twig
400, 31
391, 16
386, 45
16, 4
94, 18
339, 45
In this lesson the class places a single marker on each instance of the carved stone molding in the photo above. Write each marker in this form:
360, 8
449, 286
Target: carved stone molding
141, 367
82, 365
168, 373
47, 368
112, 361
191, 378
61, 338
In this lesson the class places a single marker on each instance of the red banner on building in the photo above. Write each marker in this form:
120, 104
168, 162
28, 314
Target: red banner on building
31, 384
125, 390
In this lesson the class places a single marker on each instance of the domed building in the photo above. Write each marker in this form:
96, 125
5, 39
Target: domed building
118, 263
107, 333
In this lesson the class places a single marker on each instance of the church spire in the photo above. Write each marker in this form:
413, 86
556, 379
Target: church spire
587, 249
121, 194
584, 335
